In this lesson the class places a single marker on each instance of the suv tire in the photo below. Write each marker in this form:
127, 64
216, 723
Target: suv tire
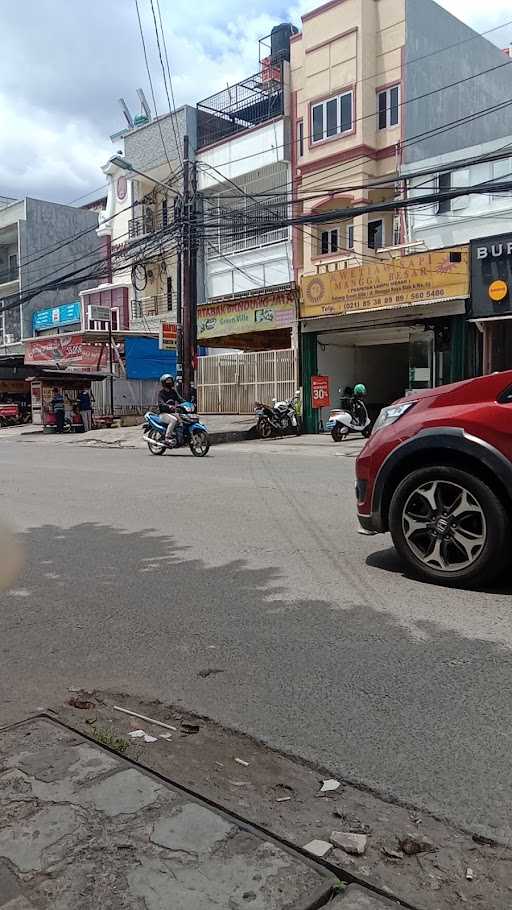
449, 526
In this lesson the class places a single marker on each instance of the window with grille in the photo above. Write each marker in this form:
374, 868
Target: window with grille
237, 223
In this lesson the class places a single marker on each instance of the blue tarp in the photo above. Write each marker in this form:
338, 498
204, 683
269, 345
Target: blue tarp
145, 360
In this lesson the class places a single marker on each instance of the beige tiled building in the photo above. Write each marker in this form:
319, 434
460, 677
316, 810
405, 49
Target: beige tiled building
346, 79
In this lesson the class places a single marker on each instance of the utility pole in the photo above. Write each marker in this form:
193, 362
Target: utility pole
179, 319
110, 365
186, 274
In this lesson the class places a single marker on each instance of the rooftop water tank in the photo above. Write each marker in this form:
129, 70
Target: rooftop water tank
140, 119
280, 41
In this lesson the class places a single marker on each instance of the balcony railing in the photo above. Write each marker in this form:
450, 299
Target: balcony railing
155, 305
9, 275
147, 223
242, 106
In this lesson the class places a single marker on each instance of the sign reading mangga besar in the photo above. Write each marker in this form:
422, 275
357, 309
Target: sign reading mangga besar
386, 284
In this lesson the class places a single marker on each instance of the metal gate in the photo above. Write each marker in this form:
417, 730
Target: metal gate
231, 383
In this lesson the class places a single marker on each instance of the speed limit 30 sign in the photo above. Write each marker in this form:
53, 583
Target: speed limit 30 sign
320, 391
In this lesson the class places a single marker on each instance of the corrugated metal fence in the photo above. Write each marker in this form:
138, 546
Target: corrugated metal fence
131, 396
231, 383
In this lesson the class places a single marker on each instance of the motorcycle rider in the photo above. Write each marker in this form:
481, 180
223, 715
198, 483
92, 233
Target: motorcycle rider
359, 411
168, 398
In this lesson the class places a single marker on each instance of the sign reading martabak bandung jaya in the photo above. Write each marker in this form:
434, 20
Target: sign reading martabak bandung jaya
422, 278
251, 315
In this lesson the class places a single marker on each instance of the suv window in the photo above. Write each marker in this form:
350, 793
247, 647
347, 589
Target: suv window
506, 396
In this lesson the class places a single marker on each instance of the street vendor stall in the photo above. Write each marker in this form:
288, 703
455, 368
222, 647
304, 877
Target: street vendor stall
47, 384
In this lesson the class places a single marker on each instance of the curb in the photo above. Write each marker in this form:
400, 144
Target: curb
222, 437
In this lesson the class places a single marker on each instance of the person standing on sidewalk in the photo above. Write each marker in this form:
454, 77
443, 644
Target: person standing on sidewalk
58, 409
85, 406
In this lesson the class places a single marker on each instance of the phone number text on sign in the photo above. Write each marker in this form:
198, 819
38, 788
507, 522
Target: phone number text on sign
320, 391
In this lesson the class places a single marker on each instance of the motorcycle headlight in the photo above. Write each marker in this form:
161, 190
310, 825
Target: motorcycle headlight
391, 414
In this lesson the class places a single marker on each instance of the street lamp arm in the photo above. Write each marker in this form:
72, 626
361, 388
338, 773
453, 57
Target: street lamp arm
128, 166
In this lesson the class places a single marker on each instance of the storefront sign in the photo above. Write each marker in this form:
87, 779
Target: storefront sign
67, 352
67, 314
498, 290
168, 336
255, 314
320, 392
422, 278
98, 313
491, 276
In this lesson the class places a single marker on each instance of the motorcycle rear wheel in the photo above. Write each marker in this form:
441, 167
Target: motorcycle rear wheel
264, 428
155, 448
339, 433
199, 443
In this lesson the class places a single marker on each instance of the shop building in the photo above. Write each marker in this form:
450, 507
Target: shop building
248, 299
40, 242
394, 326
370, 103
138, 220
491, 301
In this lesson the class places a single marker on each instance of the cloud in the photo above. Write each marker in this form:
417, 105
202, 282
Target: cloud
64, 65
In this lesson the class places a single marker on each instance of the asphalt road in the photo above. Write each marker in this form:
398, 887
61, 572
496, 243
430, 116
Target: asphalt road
140, 572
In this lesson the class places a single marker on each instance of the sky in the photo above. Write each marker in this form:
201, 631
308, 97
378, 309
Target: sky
65, 63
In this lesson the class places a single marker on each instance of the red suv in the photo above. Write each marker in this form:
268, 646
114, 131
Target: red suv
437, 473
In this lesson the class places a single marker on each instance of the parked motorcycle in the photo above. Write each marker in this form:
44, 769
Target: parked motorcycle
278, 420
351, 419
190, 432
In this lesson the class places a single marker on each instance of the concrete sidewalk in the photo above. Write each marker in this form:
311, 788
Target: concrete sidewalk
222, 428
81, 827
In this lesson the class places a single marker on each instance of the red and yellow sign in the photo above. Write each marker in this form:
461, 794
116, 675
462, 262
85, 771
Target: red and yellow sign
422, 278
67, 352
320, 392
168, 336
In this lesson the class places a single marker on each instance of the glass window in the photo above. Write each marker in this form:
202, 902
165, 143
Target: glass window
318, 122
346, 112
501, 170
375, 235
388, 107
350, 237
382, 110
332, 117
334, 241
300, 138
393, 106
324, 245
444, 185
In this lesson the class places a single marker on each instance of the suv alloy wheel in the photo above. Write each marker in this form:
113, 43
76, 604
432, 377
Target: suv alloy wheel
449, 526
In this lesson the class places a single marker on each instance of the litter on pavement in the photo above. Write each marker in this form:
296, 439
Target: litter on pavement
329, 785
355, 844
470, 874
150, 720
318, 847
141, 734
240, 761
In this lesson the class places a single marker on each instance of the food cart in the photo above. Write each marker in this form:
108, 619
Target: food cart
69, 384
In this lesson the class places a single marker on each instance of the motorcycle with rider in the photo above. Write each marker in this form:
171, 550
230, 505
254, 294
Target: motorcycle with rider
176, 425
